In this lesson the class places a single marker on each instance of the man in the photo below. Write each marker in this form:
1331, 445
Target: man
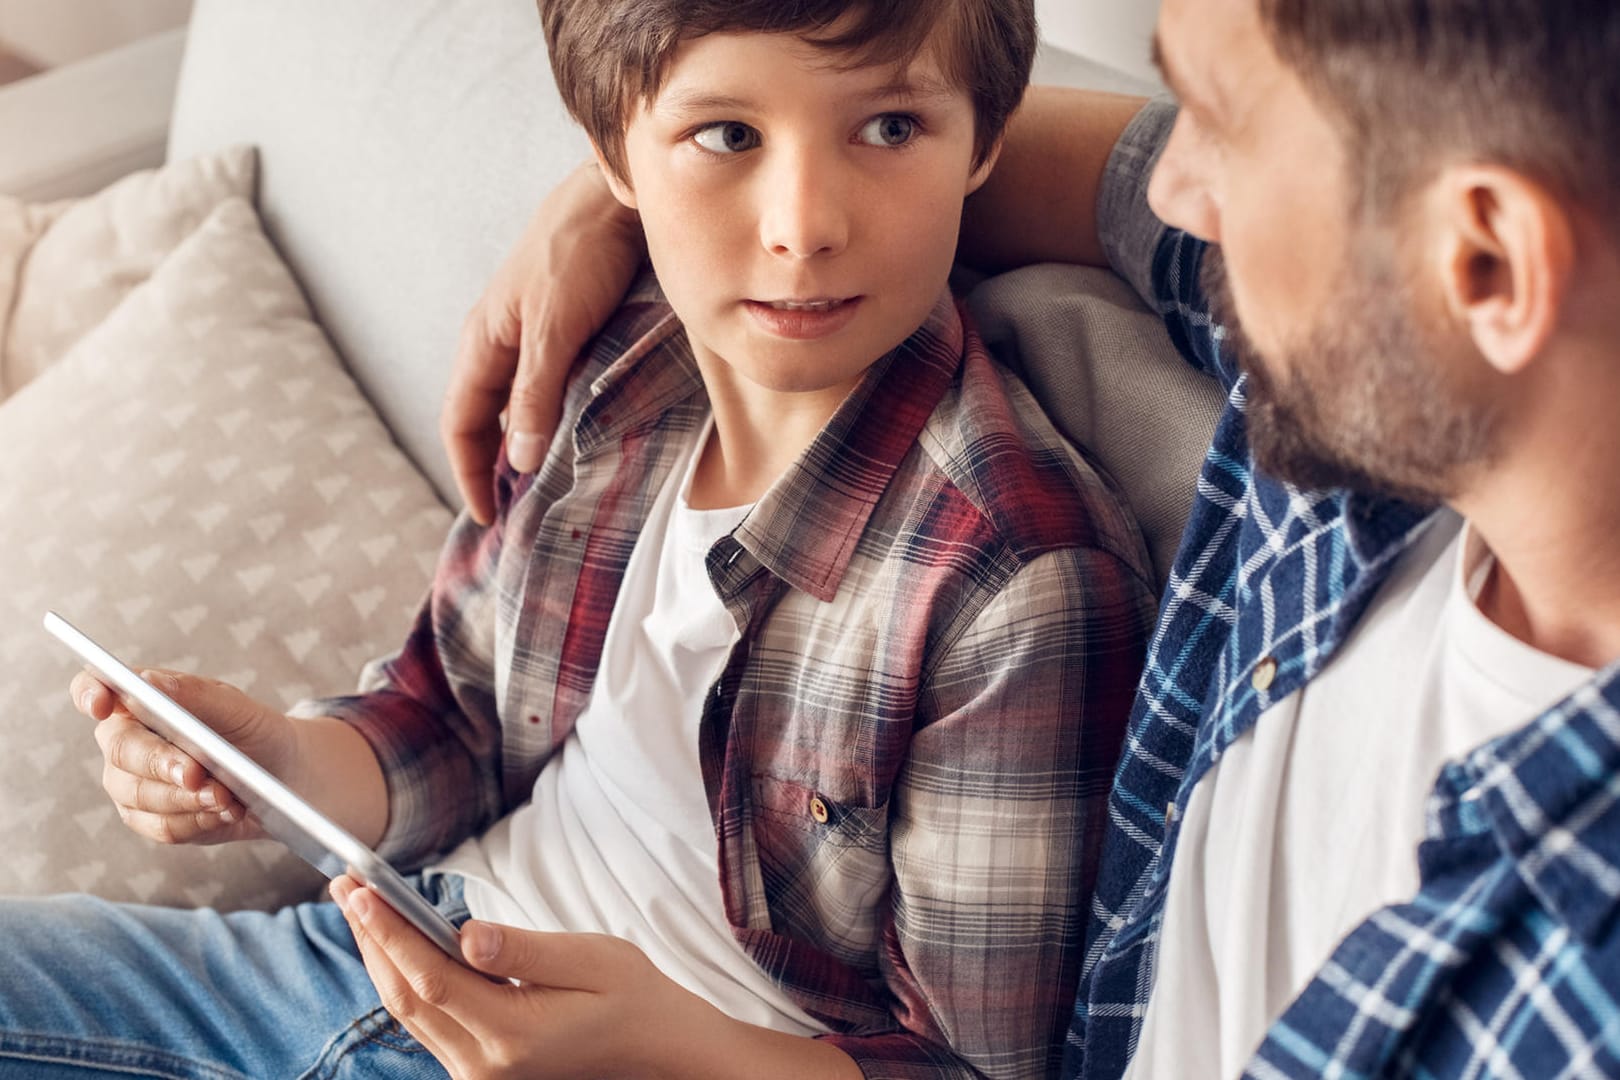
1367, 820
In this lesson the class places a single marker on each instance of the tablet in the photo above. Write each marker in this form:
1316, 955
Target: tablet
285, 815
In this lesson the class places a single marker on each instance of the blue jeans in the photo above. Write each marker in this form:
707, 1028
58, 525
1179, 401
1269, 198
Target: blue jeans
92, 989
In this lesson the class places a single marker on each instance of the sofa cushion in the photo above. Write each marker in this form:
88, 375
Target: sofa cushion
1103, 367
198, 485
406, 143
65, 265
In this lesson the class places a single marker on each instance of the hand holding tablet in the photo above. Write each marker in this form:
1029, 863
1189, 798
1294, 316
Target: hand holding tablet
278, 810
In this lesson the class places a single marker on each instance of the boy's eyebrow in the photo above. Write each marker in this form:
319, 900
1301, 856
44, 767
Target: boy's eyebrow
921, 89
696, 101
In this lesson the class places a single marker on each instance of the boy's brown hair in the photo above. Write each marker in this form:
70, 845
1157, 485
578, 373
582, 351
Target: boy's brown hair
609, 56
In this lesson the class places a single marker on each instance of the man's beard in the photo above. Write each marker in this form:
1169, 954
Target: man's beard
1363, 403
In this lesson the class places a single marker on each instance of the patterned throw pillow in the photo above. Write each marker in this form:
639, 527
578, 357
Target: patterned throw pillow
198, 485
65, 265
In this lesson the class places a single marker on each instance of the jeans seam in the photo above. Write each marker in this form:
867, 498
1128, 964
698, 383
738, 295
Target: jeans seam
375, 1028
139, 1060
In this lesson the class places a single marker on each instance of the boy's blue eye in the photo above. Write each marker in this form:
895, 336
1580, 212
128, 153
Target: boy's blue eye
890, 129
729, 137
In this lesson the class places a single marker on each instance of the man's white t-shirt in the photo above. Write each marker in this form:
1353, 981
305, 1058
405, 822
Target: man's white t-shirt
1311, 820
617, 837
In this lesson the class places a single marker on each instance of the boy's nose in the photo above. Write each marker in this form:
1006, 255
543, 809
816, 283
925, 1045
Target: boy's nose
803, 209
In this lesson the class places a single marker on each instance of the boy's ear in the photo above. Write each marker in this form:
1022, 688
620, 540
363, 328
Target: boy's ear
979, 175
621, 190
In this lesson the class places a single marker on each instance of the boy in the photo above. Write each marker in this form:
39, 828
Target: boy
780, 703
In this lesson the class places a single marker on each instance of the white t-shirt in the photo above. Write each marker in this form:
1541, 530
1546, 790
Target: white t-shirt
617, 837
1311, 821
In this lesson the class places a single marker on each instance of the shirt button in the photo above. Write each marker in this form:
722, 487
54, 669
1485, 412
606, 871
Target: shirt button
1265, 673
818, 810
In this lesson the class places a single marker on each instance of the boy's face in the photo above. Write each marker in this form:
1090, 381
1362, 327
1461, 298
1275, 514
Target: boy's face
802, 219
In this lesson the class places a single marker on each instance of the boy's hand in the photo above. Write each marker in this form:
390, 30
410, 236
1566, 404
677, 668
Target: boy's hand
586, 1005
160, 791
562, 281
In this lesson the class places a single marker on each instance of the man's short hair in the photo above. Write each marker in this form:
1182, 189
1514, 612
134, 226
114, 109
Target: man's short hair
1530, 84
610, 56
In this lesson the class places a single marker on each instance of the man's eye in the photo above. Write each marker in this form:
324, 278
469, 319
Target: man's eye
890, 129
730, 137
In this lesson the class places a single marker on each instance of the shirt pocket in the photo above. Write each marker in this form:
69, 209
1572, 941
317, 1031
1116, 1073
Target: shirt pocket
825, 868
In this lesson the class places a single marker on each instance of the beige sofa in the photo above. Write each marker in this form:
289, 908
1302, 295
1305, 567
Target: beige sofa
219, 380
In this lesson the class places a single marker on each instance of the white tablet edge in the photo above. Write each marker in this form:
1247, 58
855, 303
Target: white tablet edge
283, 813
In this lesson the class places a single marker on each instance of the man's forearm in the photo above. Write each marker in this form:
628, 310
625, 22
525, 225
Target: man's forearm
1040, 203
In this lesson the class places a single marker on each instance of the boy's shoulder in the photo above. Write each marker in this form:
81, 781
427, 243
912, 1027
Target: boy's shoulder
1038, 492
642, 323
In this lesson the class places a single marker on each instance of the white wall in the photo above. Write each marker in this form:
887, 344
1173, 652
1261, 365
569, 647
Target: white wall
51, 32
1113, 32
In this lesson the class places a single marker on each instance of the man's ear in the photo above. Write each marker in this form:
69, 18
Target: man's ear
1507, 255
620, 188
979, 175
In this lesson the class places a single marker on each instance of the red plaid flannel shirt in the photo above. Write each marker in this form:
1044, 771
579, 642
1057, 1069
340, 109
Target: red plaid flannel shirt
944, 611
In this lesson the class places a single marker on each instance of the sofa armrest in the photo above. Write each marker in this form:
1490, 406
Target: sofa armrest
75, 129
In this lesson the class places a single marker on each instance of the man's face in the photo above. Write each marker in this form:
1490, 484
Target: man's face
1356, 378
802, 219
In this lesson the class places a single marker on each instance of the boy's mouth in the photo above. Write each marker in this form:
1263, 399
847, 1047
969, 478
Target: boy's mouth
805, 305
804, 319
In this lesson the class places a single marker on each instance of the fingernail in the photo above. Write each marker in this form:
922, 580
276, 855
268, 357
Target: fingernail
208, 799
177, 773
483, 941
227, 817
523, 450
360, 904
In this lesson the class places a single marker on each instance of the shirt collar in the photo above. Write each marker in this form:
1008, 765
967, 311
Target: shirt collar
653, 372
804, 529
1550, 794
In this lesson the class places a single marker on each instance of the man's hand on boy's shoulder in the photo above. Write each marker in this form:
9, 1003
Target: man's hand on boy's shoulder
560, 283
582, 249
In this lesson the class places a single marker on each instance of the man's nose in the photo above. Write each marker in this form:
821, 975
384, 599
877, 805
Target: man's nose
1179, 191
804, 208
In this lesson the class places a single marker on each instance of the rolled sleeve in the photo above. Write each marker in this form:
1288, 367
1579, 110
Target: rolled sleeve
429, 710
1130, 232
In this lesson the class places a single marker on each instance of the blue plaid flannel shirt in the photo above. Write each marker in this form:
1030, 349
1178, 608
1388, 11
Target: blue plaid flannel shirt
1507, 961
